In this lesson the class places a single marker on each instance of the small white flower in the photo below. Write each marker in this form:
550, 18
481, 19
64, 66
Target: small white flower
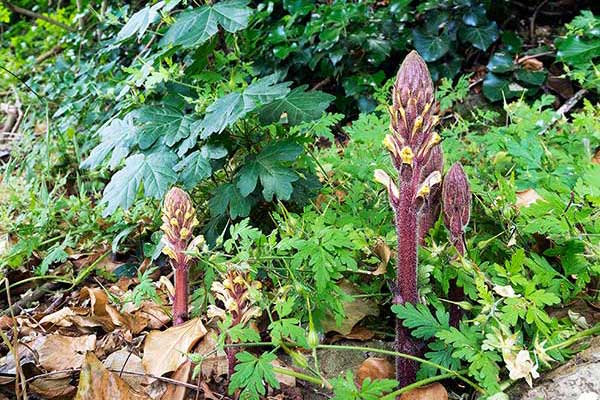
505, 291
521, 366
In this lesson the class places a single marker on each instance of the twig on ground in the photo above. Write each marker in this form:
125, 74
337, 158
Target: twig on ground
49, 54
30, 298
564, 109
532, 21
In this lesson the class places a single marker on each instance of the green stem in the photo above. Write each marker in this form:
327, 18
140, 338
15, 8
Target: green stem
576, 337
423, 382
299, 375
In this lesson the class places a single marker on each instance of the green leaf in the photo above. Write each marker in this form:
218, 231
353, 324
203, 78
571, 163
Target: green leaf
430, 46
161, 121
481, 37
576, 50
288, 328
297, 106
500, 62
228, 197
196, 166
197, 26
228, 109
253, 374
535, 78
496, 88
117, 137
139, 22
344, 388
154, 172
420, 319
276, 179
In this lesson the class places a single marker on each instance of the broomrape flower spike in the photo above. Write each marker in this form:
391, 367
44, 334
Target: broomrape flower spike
456, 195
179, 220
417, 157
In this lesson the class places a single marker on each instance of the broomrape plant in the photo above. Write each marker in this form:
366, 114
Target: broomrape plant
415, 194
179, 220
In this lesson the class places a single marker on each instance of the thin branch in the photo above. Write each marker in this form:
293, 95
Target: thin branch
564, 109
32, 14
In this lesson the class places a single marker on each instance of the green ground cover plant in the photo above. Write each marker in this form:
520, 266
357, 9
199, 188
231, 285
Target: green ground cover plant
196, 187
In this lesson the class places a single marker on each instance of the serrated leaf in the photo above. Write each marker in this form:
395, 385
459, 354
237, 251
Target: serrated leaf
153, 171
117, 137
228, 109
275, 178
420, 319
288, 328
253, 374
161, 121
197, 26
196, 166
140, 21
297, 106
228, 197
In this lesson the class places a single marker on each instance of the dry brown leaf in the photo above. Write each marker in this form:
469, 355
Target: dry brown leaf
532, 64
384, 253
124, 360
182, 374
59, 352
525, 198
51, 388
358, 333
216, 364
355, 311
59, 318
157, 316
98, 383
375, 368
596, 157
435, 391
164, 350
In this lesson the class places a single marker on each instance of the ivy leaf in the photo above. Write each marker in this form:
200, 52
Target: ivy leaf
500, 62
116, 137
253, 374
153, 171
197, 26
299, 106
161, 120
430, 46
276, 179
226, 197
196, 166
420, 319
481, 37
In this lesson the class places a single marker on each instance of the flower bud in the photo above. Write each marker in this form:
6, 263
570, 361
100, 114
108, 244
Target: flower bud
456, 196
179, 220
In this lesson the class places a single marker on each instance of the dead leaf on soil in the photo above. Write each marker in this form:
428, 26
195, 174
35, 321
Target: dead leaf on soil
215, 364
50, 388
532, 64
58, 352
182, 374
525, 198
375, 368
155, 313
355, 311
126, 361
435, 391
164, 350
59, 318
358, 333
98, 383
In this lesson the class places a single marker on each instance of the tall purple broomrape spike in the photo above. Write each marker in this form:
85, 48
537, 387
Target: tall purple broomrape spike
415, 154
179, 220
